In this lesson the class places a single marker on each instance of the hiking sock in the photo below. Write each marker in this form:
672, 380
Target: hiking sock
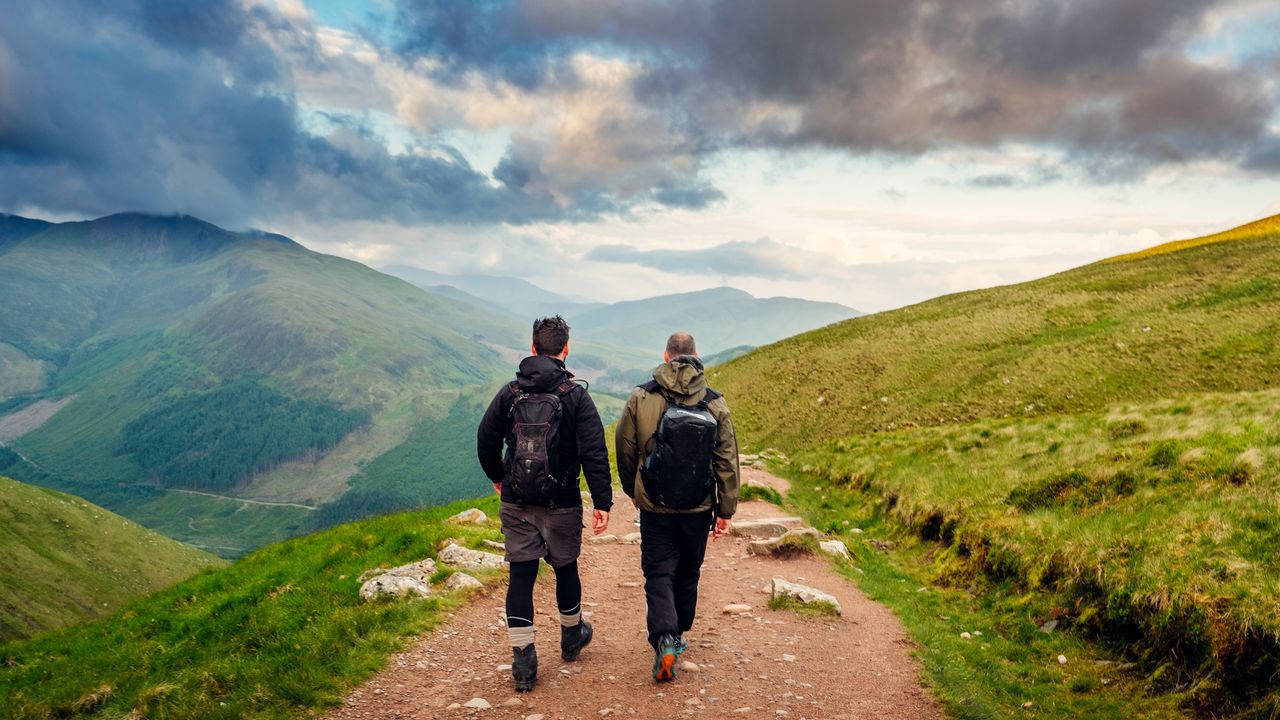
569, 594
520, 603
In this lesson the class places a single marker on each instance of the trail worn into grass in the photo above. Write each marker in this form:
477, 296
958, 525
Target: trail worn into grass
758, 664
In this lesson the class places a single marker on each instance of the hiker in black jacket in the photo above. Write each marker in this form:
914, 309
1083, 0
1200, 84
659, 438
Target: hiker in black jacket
541, 508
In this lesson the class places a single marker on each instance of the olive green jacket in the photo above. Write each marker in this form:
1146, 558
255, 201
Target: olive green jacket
683, 378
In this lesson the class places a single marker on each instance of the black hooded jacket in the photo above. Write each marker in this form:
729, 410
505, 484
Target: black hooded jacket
582, 449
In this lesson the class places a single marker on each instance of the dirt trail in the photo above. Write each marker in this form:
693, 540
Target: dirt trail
762, 664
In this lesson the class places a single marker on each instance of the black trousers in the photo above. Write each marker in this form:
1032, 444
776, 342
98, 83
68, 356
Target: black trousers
672, 546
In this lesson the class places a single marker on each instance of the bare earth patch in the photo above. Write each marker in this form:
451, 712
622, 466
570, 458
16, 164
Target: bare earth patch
756, 663
756, 476
15, 425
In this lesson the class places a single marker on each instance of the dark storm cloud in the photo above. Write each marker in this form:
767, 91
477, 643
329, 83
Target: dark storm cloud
184, 106
1107, 83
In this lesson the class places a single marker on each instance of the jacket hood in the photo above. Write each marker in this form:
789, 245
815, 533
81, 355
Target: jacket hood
541, 373
683, 377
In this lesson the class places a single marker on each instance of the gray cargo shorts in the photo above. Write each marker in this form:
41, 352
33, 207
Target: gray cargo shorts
536, 532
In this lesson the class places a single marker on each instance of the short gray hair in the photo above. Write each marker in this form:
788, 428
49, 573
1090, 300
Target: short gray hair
681, 343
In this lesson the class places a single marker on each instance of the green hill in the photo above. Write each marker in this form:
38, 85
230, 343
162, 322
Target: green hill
186, 359
1143, 328
280, 633
63, 560
1098, 448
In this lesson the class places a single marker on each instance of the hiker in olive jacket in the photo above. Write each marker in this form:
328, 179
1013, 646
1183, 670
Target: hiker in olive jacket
674, 541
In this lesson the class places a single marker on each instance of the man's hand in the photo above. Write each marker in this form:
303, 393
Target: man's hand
497, 487
722, 527
599, 520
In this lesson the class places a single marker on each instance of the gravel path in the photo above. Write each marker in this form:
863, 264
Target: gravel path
756, 664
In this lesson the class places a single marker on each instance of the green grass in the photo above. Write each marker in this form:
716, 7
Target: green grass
63, 560
1153, 527
759, 492
816, 609
281, 633
1007, 661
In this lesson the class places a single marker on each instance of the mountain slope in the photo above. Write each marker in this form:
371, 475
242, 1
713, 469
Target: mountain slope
511, 294
158, 328
280, 633
1201, 318
63, 560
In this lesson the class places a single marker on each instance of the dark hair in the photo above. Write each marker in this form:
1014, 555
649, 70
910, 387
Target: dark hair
550, 335
681, 343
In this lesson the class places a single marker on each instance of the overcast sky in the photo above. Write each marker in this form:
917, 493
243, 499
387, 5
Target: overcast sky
871, 152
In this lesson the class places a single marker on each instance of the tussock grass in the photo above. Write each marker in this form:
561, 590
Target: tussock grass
1162, 541
280, 633
818, 609
759, 492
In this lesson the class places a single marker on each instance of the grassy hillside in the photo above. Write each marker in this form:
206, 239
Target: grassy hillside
63, 560
280, 633
1098, 448
1204, 318
233, 363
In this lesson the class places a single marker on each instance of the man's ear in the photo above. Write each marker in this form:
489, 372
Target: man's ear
666, 356
533, 349
564, 351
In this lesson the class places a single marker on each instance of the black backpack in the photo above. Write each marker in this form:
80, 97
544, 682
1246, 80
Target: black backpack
678, 472
533, 445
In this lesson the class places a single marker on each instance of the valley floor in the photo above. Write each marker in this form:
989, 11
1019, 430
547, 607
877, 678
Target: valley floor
759, 664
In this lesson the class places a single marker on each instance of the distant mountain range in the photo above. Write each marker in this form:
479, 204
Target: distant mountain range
232, 389
621, 342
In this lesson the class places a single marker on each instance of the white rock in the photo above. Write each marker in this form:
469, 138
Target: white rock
505, 667
804, 593
630, 539
602, 539
736, 608
1062, 659
690, 666
535, 716
470, 516
461, 581
513, 702
788, 658
742, 710
454, 706
834, 547
477, 703
856, 531
965, 636
493, 544
411, 579
455, 554
757, 529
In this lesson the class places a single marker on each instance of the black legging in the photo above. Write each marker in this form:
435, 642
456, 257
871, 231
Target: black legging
520, 591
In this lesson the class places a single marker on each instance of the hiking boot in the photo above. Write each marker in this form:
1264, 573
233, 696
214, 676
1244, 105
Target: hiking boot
573, 639
664, 660
681, 645
524, 667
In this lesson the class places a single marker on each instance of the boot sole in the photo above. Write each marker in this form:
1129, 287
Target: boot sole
524, 685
